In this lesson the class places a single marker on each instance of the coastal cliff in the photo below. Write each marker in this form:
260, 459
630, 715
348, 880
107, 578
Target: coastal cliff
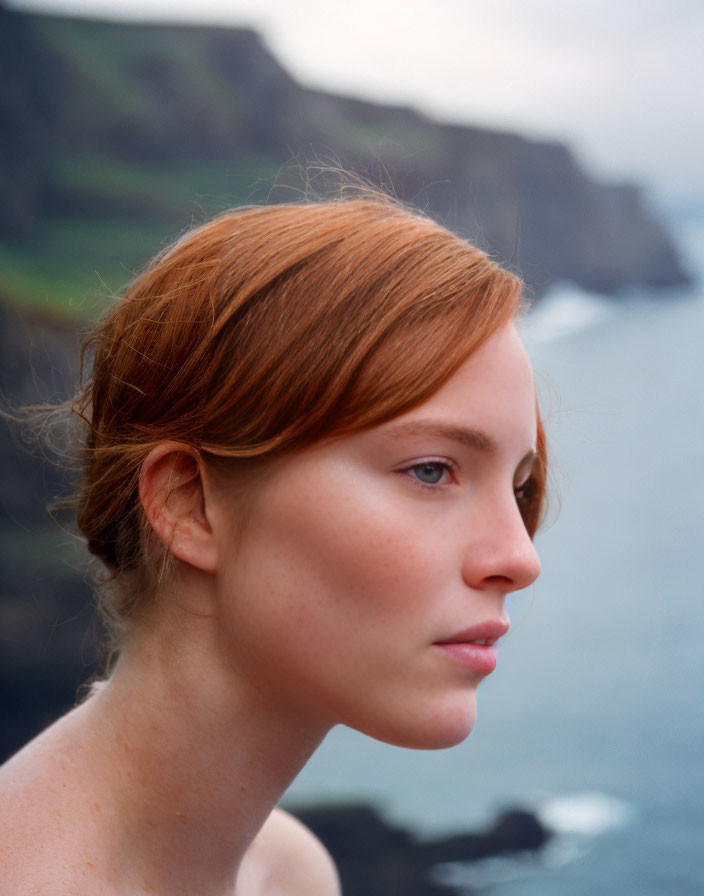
126, 133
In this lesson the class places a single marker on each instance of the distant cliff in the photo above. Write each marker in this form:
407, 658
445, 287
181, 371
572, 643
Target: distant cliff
123, 133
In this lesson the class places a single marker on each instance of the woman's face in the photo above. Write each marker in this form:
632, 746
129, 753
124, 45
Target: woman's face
364, 566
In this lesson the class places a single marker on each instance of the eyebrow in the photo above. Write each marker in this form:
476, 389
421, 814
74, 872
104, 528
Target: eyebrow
472, 438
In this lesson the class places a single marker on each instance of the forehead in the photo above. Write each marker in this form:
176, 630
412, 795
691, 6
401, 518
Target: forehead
492, 394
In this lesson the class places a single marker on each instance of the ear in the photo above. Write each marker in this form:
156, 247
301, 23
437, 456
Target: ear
173, 497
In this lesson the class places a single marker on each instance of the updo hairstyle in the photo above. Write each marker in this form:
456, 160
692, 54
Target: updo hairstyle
263, 332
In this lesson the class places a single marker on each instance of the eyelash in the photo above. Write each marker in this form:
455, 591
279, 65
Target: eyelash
442, 465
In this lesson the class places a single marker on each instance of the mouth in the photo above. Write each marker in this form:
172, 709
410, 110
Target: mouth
473, 647
484, 634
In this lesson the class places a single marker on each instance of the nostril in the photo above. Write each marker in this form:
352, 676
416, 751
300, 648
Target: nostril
498, 580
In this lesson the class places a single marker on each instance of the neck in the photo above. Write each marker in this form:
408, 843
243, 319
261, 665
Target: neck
193, 759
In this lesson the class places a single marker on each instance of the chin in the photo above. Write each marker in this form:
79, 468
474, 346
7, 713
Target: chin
441, 739
442, 728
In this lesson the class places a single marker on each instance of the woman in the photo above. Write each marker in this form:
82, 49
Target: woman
313, 469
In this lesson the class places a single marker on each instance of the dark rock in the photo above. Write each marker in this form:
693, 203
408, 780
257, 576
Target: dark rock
372, 856
515, 830
375, 858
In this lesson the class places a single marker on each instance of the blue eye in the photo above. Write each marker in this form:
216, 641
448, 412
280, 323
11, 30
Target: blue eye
428, 473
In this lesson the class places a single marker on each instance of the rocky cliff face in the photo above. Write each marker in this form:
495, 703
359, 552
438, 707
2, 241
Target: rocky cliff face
530, 202
131, 99
29, 99
49, 632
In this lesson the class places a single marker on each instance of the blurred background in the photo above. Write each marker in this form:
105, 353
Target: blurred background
564, 138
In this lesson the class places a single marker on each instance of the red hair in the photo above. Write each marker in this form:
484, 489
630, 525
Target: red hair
265, 331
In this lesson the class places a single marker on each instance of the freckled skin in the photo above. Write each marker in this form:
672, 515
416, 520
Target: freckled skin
318, 599
349, 568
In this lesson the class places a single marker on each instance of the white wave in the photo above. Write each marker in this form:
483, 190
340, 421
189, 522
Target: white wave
574, 819
584, 814
565, 309
474, 876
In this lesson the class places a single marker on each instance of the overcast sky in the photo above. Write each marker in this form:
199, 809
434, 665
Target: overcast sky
620, 80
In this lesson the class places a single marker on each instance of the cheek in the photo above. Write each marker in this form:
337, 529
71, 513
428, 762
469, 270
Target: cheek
334, 597
342, 567
352, 551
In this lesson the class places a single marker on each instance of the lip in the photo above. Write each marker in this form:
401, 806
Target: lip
480, 658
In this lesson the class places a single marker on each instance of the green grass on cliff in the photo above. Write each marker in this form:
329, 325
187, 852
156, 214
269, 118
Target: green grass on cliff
113, 59
75, 262
73, 266
156, 128
160, 191
109, 198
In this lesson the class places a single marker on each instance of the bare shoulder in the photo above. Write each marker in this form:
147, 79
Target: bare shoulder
289, 860
26, 847
41, 829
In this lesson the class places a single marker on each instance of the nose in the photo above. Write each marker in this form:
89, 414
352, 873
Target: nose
501, 555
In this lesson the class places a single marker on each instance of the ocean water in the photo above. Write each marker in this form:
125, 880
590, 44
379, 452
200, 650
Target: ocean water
594, 716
